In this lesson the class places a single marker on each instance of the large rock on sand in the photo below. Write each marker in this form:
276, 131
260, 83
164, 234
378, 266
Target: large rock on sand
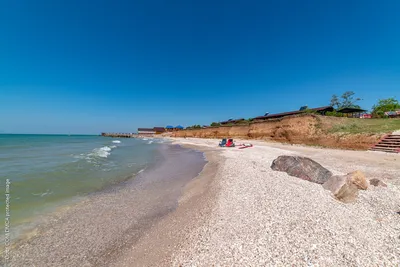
302, 167
345, 187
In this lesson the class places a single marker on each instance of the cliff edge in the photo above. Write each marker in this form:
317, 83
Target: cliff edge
309, 129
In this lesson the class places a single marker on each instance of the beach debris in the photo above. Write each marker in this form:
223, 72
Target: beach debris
345, 187
242, 146
377, 182
302, 167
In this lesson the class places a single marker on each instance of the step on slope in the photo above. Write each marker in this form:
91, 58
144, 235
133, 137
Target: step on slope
389, 143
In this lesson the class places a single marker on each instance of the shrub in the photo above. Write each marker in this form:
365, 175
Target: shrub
378, 114
310, 111
384, 105
334, 114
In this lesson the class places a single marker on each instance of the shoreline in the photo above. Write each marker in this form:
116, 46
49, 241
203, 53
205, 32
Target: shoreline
32, 226
60, 171
162, 242
93, 232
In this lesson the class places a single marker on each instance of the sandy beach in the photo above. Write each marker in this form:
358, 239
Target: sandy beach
239, 212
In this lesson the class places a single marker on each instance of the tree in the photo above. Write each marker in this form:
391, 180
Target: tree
215, 124
384, 105
346, 101
335, 101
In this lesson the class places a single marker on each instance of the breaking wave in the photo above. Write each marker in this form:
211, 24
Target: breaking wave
96, 154
102, 152
116, 142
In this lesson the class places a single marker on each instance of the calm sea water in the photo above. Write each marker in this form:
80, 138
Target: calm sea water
47, 171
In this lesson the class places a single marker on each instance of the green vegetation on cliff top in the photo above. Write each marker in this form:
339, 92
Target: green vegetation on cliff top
373, 126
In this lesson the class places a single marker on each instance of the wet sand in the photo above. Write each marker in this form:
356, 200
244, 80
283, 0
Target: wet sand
159, 246
97, 231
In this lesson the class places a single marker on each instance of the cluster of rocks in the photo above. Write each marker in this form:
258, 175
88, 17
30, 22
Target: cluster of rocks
343, 187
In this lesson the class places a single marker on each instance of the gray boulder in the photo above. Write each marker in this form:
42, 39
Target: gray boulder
302, 167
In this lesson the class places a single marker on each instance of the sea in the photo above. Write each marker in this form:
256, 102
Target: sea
46, 172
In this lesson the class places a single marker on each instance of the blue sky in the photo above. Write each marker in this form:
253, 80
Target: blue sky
82, 66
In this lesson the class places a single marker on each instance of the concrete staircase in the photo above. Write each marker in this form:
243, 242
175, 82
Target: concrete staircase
389, 143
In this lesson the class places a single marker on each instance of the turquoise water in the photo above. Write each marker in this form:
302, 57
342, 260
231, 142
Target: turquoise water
47, 171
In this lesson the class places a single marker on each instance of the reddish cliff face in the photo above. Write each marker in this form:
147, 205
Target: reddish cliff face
306, 129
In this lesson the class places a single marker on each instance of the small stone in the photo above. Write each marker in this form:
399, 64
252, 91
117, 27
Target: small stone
377, 182
358, 178
342, 188
347, 193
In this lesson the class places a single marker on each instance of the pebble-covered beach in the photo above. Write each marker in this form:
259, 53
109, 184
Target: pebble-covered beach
266, 218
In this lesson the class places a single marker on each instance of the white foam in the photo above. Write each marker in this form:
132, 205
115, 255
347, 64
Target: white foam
102, 152
150, 142
81, 156
48, 192
145, 139
116, 142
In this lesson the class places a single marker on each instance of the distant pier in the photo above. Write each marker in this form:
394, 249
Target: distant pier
123, 135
